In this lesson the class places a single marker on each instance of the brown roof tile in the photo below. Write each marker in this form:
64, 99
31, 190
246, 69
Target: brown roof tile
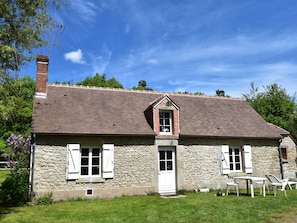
83, 110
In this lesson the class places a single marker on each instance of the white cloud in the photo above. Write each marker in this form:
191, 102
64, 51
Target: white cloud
85, 9
152, 61
100, 62
75, 56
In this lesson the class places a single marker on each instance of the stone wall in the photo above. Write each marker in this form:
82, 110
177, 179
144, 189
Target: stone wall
290, 167
134, 168
198, 164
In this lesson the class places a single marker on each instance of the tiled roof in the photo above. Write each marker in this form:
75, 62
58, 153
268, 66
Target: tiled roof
83, 110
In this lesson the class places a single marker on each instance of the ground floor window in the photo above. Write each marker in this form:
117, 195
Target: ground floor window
284, 151
90, 162
86, 162
235, 159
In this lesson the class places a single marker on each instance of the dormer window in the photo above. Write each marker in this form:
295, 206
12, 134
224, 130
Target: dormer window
165, 122
163, 116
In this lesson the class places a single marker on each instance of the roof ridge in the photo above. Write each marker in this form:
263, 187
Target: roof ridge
144, 91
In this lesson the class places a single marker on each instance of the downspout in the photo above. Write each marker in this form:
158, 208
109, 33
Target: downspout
281, 159
32, 156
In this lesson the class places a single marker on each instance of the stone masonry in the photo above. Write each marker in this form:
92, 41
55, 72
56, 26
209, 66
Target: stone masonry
198, 164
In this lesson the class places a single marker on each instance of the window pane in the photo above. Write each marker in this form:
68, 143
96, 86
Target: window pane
84, 161
85, 152
167, 122
167, 115
237, 159
231, 166
95, 161
236, 151
169, 155
162, 165
95, 170
169, 165
84, 171
238, 166
95, 152
231, 158
162, 155
284, 153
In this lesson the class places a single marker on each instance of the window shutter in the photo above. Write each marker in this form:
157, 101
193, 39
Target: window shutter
248, 158
72, 170
225, 159
108, 160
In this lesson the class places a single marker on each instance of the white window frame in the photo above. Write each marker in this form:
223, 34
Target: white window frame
163, 125
232, 159
90, 165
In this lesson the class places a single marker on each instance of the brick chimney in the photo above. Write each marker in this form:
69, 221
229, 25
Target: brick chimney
41, 76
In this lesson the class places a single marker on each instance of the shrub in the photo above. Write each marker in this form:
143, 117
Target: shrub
15, 188
45, 200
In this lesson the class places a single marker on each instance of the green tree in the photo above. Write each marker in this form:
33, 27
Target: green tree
220, 93
142, 86
275, 106
100, 81
23, 24
16, 101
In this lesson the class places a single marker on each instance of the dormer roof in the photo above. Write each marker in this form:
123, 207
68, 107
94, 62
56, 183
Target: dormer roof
164, 98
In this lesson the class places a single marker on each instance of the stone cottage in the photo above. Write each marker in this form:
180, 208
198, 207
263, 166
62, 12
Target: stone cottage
101, 143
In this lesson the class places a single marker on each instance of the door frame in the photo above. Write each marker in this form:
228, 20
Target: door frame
170, 187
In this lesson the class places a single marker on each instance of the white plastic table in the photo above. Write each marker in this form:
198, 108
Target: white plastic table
251, 180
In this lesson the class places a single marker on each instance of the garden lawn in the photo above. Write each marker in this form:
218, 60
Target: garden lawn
195, 207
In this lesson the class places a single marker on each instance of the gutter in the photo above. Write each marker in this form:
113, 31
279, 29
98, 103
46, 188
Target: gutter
281, 159
32, 158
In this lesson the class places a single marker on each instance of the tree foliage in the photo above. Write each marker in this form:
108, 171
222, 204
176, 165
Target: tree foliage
142, 86
23, 24
100, 81
16, 101
221, 93
275, 106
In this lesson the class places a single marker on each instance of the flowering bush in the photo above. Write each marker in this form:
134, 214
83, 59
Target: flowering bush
19, 148
15, 188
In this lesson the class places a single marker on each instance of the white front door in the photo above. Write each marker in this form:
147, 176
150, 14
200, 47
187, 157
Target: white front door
167, 184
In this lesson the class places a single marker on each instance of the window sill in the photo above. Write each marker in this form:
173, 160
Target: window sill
285, 161
162, 136
90, 180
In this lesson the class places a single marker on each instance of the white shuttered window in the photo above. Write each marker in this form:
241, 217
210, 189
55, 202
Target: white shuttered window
85, 162
236, 159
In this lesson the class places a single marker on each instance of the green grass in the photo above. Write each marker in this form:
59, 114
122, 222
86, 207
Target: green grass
195, 207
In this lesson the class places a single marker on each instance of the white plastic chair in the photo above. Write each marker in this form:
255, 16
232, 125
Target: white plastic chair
277, 183
260, 183
232, 184
290, 183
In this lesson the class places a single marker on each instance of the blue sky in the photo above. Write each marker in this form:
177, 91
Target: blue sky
175, 45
